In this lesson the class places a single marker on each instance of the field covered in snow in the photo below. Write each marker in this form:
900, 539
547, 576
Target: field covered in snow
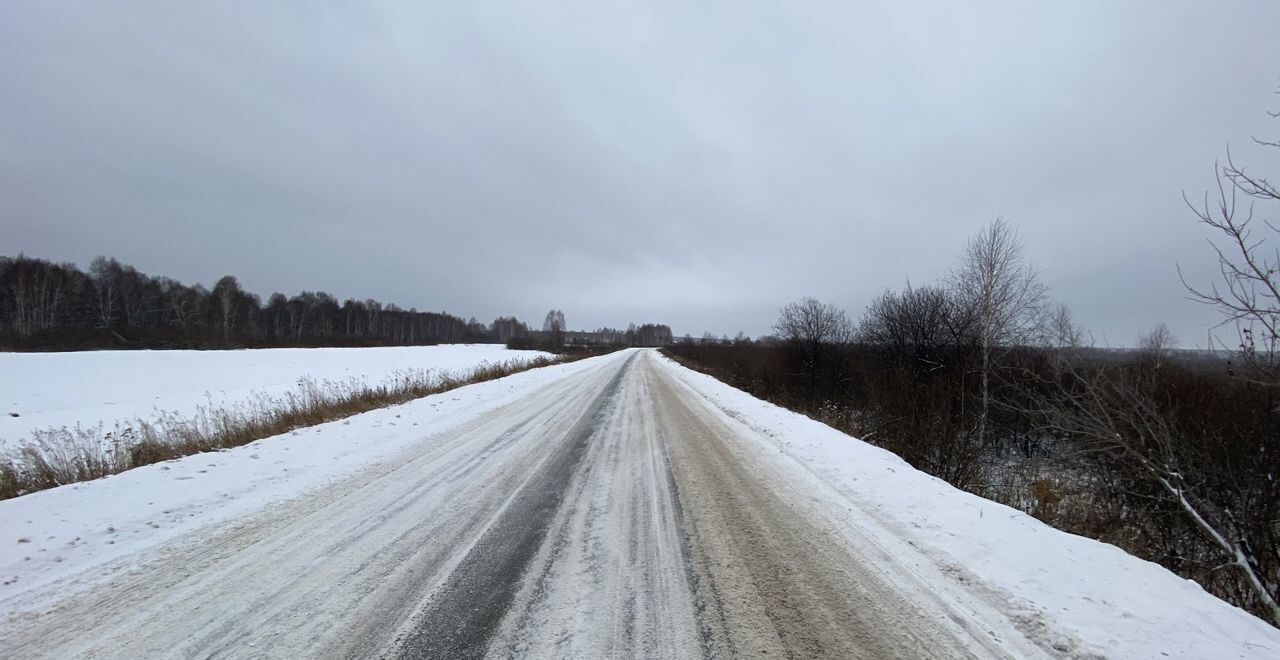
113, 388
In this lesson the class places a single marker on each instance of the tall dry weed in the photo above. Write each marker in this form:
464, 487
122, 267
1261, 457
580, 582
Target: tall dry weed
59, 456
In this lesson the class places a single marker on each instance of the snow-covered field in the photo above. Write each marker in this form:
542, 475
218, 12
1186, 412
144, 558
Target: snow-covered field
51, 390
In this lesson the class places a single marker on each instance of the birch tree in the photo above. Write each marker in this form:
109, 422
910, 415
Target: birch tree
1119, 413
1006, 298
106, 280
227, 292
553, 325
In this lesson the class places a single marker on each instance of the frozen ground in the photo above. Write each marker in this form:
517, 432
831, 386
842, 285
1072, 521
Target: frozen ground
89, 388
619, 506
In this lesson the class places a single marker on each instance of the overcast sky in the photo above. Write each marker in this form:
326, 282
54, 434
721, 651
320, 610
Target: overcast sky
697, 163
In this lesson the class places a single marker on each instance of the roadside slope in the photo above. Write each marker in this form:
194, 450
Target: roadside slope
1073, 596
783, 577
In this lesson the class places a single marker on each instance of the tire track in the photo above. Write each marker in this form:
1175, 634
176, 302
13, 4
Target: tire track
773, 583
332, 575
610, 580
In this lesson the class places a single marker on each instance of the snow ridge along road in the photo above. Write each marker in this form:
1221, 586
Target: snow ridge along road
616, 507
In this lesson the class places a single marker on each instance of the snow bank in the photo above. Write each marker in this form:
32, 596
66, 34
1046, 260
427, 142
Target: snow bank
88, 388
1080, 597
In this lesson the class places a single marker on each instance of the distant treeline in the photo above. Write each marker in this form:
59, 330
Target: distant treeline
647, 334
56, 306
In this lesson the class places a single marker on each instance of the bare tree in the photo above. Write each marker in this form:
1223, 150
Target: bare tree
183, 305
811, 325
227, 292
917, 324
553, 325
1125, 414
37, 296
506, 328
1005, 295
105, 274
1118, 413
1153, 346
1060, 329
1248, 293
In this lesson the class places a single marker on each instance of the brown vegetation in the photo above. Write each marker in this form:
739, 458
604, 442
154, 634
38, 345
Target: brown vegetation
924, 405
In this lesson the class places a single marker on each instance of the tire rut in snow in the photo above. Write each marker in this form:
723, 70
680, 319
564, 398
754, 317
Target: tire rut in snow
610, 579
463, 615
770, 581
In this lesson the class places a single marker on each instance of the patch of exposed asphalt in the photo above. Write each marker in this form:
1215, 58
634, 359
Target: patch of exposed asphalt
610, 579
463, 615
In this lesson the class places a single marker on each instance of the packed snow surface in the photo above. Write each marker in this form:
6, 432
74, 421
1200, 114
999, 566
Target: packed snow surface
88, 388
319, 514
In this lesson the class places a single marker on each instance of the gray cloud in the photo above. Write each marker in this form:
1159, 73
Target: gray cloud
695, 164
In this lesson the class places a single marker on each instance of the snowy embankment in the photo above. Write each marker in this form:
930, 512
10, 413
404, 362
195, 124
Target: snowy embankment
1081, 597
77, 531
115, 388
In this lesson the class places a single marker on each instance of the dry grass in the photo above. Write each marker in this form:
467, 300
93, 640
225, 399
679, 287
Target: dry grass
56, 457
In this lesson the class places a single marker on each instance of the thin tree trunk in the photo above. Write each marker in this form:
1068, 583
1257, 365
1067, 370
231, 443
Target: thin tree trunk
1237, 555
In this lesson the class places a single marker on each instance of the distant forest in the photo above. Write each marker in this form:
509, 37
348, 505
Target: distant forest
56, 306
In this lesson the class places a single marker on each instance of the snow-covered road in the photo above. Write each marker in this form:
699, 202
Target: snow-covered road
615, 507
